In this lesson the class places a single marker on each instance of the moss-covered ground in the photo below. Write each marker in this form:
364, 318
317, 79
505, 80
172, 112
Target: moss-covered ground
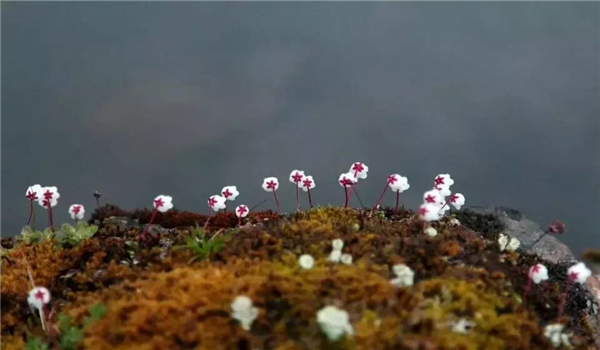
155, 299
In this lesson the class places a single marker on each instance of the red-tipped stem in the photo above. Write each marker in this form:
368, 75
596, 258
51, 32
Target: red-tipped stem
563, 300
30, 211
297, 200
154, 212
346, 193
381, 196
277, 201
309, 199
397, 200
50, 221
527, 288
208, 218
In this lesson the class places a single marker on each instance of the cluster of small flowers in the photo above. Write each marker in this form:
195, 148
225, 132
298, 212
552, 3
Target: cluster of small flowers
336, 253
299, 179
47, 197
508, 243
435, 204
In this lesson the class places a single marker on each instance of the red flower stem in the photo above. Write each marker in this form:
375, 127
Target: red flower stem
381, 196
346, 193
563, 300
256, 205
297, 201
397, 200
208, 218
51, 222
309, 199
239, 221
149, 223
442, 207
537, 240
527, 289
30, 211
277, 201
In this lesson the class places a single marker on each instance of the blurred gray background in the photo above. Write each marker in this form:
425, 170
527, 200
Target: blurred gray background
140, 99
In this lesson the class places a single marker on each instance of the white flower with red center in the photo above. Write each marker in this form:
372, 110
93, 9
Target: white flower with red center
359, 170
38, 297
443, 180
429, 212
296, 177
49, 196
347, 180
308, 183
241, 211
457, 200
77, 211
163, 203
34, 192
538, 273
230, 192
216, 203
433, 197
270, 184
398, 183
578, 273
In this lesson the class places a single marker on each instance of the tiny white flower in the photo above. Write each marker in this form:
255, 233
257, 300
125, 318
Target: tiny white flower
508, 243
346, 259
308, 183
579, 273
359, 170
337, 244
48, 196
555, 333
296, 177
538, 273
398, 183
404, 276
243, 311
433, 197
513, 244
306, 261
431, 232
230, 192
34, 192
38, 297
216, 203
335, 256
241, 211
163, 203
429, 212
347, 180
454, 222
334, 322
77, 211
270, 184
462, 326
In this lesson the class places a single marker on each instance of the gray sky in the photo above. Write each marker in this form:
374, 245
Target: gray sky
142, 98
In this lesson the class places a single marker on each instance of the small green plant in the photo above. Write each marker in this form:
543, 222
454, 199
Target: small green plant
72, 235
69, 336
201, 246
31, 236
